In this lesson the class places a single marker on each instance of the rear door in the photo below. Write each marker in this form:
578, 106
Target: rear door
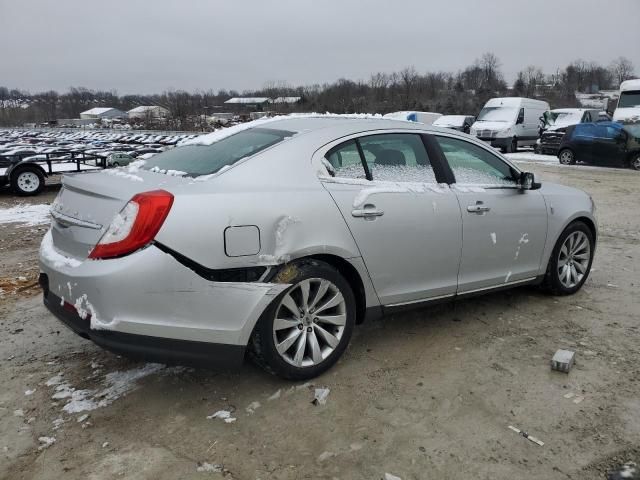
504, 228
407, 227
609, 145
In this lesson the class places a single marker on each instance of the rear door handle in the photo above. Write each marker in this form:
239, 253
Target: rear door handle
368, 212
478, 208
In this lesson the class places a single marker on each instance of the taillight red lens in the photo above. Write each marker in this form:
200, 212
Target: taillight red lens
135, 225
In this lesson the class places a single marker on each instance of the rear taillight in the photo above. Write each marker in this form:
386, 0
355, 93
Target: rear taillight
135, 226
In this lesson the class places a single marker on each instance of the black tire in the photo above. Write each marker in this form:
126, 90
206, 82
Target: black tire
27, 181
552, 281
511, 146
262, 347
634, 161
537, 149
115, 164
566, 157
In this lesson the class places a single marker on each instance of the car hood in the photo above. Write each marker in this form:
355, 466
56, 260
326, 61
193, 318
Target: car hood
493, 126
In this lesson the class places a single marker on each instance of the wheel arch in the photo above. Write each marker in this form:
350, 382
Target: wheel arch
352, 276
26, 166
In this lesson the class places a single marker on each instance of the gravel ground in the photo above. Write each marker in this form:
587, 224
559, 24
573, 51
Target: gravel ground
426, 394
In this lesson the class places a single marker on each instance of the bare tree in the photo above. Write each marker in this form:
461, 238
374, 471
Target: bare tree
621, 69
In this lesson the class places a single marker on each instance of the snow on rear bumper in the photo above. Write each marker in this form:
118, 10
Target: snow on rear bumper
149, 293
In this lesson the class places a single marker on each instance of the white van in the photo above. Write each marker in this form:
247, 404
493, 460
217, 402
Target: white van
510, 122
422, 117
628, 108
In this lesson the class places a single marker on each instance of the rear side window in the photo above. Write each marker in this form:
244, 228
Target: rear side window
198, 160
397, 157
345, 161
472, 164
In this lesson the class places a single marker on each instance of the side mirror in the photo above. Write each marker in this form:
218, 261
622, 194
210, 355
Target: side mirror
528, 181
520, 120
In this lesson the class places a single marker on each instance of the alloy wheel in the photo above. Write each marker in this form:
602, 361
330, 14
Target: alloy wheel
635, 163
573, 259
566, 157
309, 323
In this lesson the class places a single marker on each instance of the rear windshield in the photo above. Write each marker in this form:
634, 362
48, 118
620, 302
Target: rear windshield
196, 160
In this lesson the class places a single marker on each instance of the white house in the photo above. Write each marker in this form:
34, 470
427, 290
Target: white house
99, 113
148, 111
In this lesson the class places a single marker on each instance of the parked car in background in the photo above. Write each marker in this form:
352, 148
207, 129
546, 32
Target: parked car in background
604, 143
119, 159
421, 117
462, 123
509, 123
319, 223
556, 123
628, 108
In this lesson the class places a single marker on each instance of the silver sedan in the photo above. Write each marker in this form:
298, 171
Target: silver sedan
275, 238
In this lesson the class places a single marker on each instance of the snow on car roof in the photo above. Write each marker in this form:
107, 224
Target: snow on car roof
299, 123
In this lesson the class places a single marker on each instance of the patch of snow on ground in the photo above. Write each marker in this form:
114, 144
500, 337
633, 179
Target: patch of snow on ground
115, 385
222, 415
208, 467
30, 215
493, 237
46, 442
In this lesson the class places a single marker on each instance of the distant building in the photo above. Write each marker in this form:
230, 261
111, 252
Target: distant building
99, 113
148, 111
287, 100
248, 101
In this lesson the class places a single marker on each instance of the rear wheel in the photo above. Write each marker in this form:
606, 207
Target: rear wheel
27, 181
307, 327
635, 162
566, 157
570, 261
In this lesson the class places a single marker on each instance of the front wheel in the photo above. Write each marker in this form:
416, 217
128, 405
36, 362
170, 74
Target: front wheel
570, 261
566, 157
27, 181
635, 162
306, 328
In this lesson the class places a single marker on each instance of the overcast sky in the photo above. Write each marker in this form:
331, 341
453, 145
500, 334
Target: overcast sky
140, 46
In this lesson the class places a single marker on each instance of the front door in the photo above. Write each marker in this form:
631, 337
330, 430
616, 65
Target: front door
408, 228
504, 227
582, 140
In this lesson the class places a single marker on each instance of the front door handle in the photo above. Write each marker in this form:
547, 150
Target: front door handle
368, 212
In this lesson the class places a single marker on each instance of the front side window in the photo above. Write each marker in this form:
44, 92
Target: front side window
197, 160
397, 157
472, 164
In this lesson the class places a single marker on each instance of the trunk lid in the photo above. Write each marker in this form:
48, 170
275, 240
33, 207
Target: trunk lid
87, 203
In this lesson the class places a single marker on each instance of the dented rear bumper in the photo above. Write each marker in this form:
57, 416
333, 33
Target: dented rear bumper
151, 294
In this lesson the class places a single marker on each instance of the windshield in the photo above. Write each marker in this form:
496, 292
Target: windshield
195, 160
497, 114
629, 99
563, 119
